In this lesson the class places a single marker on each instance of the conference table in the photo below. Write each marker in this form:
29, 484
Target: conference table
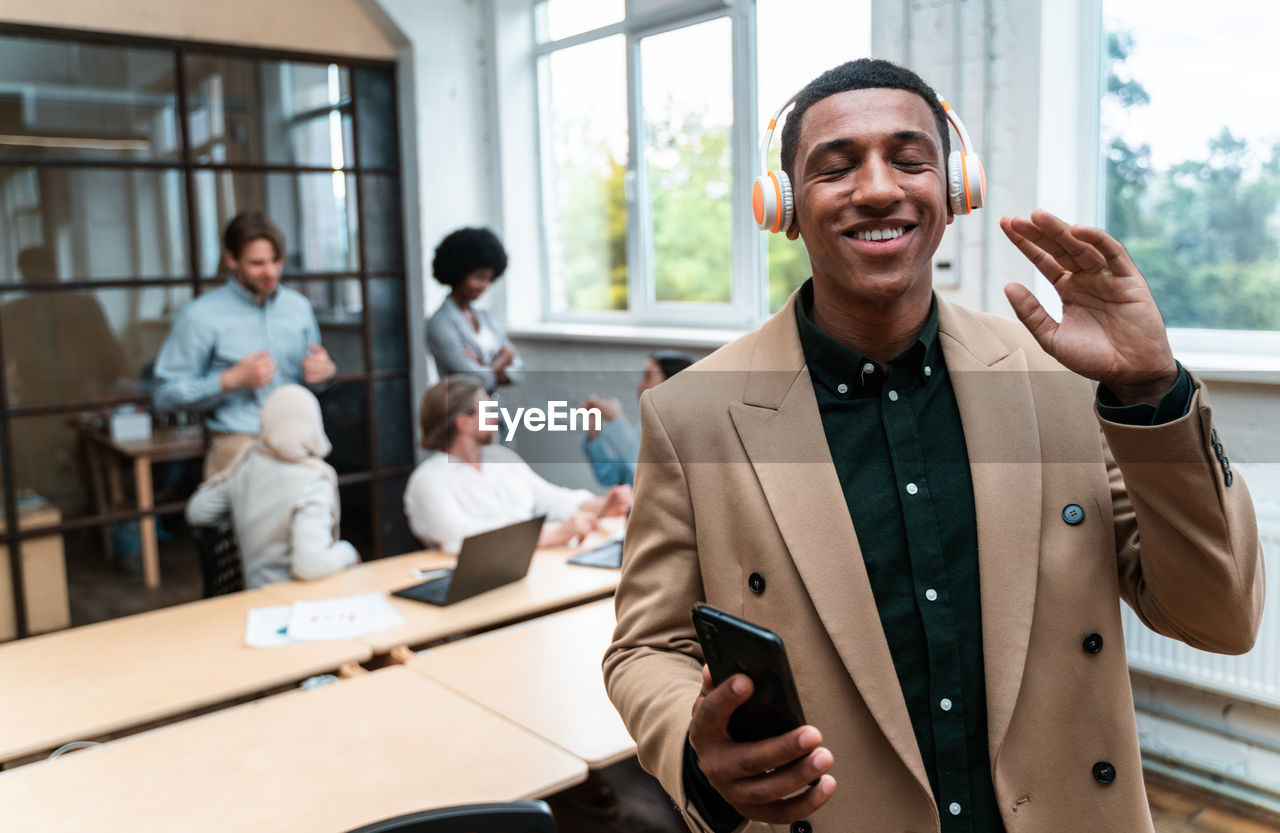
325, 760
96, 680
551, 583
544, 675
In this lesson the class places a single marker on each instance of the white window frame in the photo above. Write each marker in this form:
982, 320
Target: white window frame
748, 289
1070, 181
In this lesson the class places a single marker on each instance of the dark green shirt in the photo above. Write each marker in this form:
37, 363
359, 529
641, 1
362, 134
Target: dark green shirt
899, 450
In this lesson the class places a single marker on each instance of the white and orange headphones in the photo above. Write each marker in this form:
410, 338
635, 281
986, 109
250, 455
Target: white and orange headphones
774, 205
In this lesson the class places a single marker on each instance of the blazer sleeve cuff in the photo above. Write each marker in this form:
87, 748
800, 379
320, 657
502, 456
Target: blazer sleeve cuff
713, 813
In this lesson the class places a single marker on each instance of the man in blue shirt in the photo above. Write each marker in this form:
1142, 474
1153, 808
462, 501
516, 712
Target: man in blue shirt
229, 348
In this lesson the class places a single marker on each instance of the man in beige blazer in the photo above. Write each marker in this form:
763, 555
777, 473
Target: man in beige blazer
747, 489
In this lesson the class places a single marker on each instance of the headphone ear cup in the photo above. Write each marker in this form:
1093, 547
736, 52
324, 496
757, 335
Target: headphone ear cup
966, 182
771, 201
788, 200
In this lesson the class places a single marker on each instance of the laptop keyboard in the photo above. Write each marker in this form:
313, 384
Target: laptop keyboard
432, 592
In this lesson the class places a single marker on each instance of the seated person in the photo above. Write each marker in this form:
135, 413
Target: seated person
470, 484
613, 449
281, 496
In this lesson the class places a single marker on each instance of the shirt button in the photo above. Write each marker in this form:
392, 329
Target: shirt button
931, 594
954, 808
756, 582
912, 488
868, 368
1073, 513
893, 396
945, 704
928, 371
842, 388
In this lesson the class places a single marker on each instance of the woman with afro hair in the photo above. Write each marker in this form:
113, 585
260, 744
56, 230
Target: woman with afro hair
461, 337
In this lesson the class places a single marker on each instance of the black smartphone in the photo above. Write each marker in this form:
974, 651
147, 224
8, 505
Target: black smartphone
731, 646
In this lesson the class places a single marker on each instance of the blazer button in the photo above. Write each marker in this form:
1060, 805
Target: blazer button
756, 582
801, 826
1104, 772
1092, 643
1073, 513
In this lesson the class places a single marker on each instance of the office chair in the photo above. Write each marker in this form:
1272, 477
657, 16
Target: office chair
509, 817
221, 569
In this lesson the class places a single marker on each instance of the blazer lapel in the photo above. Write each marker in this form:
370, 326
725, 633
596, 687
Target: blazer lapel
997, 409
781, 430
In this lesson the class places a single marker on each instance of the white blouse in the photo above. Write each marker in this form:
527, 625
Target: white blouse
446, 499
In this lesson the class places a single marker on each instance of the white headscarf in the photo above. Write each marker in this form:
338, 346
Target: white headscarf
291, 431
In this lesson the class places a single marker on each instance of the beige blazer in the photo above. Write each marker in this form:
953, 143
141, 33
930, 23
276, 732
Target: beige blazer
735, 478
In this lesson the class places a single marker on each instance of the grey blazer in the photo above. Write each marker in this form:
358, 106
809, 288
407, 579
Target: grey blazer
448, 333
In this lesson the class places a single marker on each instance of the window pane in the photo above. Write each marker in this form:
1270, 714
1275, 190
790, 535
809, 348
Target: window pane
565, 18
791, 51
61, 99
1194, 199
246, 110
72, 346
387, 323
395, 423
376, 108
316, 211
584, 108
77, 223
383, 244
356, 525
345, 408
339, 310
688, 121
396, 537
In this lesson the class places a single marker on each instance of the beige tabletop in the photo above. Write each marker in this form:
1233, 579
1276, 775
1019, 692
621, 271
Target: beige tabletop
321, 761
90, 681
544, 675
550, 584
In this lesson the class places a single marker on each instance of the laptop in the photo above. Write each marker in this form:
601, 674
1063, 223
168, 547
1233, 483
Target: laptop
487, 560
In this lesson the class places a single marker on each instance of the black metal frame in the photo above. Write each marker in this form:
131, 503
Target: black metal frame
183, 163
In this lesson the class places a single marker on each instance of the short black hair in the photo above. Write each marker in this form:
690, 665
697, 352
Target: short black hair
466, 250
862, 74
670, 362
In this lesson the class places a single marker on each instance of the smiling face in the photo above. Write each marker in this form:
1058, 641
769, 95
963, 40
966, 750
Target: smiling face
870, 191
257, 268
474, 284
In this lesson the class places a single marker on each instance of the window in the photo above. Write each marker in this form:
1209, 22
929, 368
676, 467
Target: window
1191, 173
649, 126
121, 162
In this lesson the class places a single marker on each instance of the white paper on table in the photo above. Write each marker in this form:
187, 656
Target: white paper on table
267, 627
343, 618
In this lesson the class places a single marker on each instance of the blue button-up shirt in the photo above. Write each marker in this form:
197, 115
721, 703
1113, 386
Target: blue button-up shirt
217, 330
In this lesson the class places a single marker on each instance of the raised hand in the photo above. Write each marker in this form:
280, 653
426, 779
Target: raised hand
1111, 330
317, 367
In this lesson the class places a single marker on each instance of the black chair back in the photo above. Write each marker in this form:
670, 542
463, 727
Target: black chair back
221, 569
510, 817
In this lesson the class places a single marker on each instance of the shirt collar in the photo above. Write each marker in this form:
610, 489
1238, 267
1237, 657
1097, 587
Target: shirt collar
245, 295
834, 365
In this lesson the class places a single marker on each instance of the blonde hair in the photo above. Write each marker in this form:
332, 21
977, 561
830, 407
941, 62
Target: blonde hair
441, 405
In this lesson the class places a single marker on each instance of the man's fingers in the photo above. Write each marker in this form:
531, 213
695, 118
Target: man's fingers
1116, 257
1047, 264
779, 783
711, 719
1031, 313
796, 807
752, 759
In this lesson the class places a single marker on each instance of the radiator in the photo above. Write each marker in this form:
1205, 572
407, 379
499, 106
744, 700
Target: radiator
1255, 676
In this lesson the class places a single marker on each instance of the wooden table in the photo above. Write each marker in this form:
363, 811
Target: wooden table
550, 584
99, 679
322, 761
161, 447
544, 675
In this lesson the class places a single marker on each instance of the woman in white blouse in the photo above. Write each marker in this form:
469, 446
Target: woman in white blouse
281, 496
469, 484
462, 337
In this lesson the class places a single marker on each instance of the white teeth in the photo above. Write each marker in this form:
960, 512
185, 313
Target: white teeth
880, 234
